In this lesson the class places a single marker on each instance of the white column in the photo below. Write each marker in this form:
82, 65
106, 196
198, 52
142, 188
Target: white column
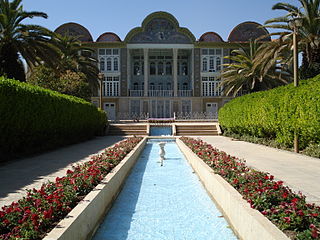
128, 71
146, 70
175, 72
192, 72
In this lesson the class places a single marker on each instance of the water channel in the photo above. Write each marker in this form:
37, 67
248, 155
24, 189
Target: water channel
163, 202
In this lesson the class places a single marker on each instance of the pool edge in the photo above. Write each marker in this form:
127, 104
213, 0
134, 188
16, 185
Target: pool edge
82, 221
245, 221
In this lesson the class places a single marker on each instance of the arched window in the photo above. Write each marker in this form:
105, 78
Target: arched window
205, 64
185, 86
109, 64
115, 64
211, 64
160, 68
102, 64
151, 86
169, 86
184, 68
136, 68
152, 68
218, 64
168, 68
160, 86
135, 86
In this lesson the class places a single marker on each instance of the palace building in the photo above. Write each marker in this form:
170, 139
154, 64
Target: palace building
161, 70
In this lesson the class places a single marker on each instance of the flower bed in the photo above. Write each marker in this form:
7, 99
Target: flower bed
286, 209
39, 212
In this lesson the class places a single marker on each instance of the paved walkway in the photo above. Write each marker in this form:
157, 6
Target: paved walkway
299, 172
18, 175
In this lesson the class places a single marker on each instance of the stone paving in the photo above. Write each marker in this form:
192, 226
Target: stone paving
28, 173
299, 172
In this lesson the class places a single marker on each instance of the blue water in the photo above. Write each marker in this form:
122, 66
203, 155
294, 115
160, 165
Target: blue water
161, 131
167, 203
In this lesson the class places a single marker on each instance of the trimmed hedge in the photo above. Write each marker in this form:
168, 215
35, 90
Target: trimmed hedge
277, 113
33, 119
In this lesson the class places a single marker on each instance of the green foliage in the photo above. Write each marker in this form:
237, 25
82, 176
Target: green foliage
30, 41
277, 113
246, 73
34, 119
68, 82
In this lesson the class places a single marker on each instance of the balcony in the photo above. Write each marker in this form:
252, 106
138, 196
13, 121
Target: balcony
184, 93
136, 93
160, 93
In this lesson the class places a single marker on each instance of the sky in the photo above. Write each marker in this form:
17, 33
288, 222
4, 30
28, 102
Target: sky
120, 16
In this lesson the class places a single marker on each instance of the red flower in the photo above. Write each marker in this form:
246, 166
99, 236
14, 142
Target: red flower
287, 219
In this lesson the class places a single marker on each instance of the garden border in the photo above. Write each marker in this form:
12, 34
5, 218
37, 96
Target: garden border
84, 219
246, 222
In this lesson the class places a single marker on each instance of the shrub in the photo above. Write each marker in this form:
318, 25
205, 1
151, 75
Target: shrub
33, 119
277, 113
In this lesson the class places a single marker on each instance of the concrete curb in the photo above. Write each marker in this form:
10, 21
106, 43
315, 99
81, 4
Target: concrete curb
83, 220
247, 223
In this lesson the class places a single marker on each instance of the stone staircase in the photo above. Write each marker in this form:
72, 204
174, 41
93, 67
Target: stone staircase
127, 129
197, 130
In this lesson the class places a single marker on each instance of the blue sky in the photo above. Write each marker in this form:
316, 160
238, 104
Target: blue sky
120, 16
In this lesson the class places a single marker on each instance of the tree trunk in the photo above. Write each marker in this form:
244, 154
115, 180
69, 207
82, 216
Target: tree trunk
11, 65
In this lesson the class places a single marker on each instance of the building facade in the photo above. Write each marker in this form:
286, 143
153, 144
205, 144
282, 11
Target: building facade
160, 70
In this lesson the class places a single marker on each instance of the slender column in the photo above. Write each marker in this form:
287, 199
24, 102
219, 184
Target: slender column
146, 70
128, 71
192, 71
175, 72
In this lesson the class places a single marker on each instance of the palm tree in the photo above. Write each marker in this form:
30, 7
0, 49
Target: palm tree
308, 14
243, 74
75, 57
31, 42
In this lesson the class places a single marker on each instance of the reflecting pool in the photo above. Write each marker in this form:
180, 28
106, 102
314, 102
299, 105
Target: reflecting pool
163, 202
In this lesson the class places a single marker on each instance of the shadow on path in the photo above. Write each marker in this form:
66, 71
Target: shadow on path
19, 174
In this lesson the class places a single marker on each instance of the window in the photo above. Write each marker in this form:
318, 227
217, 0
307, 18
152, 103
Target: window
112, 59
160, 68
218, 63
204, 65
152, 68
136, 68
102, 64
135, 86
211, 60
169, 86
184, 68
211, 87
211, 64
168, 68
115, 64
112, 86
109, 64
185, 86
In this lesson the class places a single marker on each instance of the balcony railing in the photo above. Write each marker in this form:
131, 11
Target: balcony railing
160, 93
136, 93
184, 93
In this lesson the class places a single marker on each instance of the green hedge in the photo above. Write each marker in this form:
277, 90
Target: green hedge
277, 113
33, 119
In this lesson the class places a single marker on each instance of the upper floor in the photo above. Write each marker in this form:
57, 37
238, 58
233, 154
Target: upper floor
162, 59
